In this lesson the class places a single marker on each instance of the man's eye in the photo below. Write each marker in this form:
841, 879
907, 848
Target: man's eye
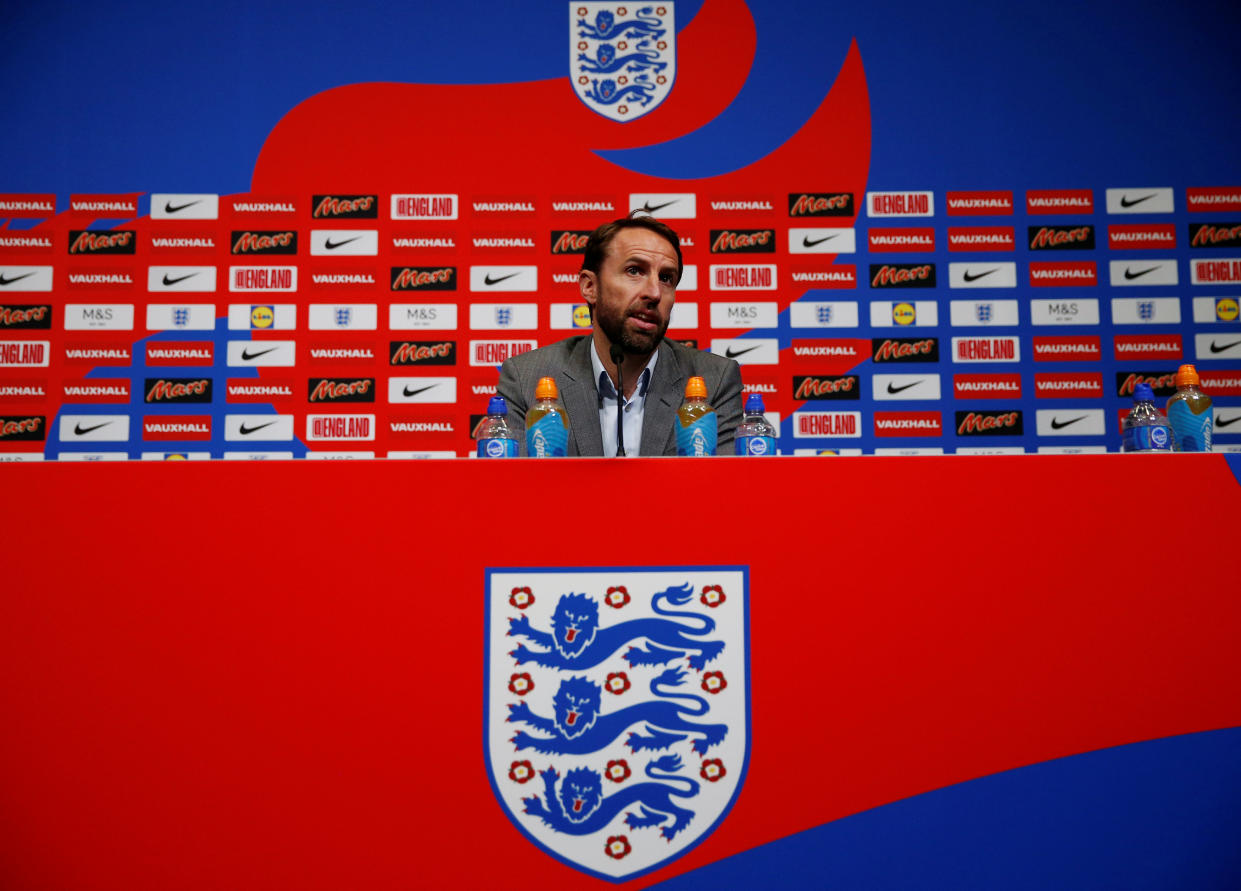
666, 278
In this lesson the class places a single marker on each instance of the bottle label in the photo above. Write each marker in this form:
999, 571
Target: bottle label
497, 448
1146, 439
756, 445
1192, 432
547, 437
698, 439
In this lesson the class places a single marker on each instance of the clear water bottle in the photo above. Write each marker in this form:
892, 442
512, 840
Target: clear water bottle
755, 435
1145, 428
495, 437
547, 425
1190, 413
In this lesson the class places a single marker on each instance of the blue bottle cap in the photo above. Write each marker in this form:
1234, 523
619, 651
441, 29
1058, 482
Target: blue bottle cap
497, 406
1143, 393
754, 403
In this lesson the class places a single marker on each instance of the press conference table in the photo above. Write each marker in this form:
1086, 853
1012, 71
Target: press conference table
269, 674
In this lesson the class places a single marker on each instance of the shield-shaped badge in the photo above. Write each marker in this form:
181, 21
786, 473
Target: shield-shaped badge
622, 58
616, 709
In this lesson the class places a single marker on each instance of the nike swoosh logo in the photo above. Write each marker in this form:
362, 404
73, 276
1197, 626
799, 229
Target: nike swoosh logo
409, 392
9, 281
246, 431
79, 430
894, 390
333, 245
1131, 275
1057, 424
168, 208
488, 280
970, 277
646, 206
1220, 422
806, 242
169, 282
246, 355
733, 354
1225, 347
1125, 202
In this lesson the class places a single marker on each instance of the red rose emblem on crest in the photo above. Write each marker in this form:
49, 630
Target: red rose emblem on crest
617, 682
618, 771
712, 596
521, 772
521, 598
617, 847
616, 597
713, 681
521, 684
712, 770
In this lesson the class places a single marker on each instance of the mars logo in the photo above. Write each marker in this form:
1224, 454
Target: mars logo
565, 242
248, 242
622, 60
821, 204
424, 278
616, 706
902, 275
744, 241
341, 207
101, 241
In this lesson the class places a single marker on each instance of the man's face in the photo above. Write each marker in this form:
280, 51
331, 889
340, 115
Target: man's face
631, 296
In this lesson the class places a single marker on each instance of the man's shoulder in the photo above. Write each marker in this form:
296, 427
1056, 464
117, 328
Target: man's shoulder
552, 353
699, 361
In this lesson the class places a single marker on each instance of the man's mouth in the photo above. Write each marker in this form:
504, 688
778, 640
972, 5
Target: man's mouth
646, 321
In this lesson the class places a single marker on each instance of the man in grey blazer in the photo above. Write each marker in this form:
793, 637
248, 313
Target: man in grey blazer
628, 279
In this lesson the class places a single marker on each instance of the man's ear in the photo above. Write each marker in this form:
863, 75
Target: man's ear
588, 287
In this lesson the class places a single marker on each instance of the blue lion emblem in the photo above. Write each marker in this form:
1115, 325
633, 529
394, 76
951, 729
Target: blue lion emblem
576, 640
606, 28
577, 727
606, 92
580, 807
606, 61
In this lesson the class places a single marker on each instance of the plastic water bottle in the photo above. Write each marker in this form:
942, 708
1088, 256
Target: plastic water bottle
495, 437
1190, 413
755, 435
1145, 427
547, 425
696, 427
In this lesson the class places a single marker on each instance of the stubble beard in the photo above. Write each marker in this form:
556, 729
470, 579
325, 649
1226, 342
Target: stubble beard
633, 343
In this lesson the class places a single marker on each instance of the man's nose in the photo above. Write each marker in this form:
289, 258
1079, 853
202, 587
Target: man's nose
651, 287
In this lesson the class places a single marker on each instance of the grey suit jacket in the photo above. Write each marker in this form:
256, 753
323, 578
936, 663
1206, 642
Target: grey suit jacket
568, 361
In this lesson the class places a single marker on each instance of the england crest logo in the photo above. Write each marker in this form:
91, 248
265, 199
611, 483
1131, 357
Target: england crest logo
617, 709
622, 59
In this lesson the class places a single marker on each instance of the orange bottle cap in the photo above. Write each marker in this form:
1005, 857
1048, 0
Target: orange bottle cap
546, 388
1187, 376
696, 387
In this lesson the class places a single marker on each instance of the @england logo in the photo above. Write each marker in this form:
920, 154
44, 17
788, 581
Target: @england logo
617, 707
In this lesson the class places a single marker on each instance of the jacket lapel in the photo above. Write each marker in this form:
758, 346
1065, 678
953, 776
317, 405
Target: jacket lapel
581, 400
662, 401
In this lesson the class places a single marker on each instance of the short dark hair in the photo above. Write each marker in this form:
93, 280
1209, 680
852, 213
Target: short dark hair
597, 244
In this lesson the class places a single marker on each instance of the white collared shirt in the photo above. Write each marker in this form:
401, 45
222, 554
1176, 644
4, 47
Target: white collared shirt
634, 409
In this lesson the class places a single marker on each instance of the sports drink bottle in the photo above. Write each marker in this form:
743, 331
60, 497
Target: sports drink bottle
696, 423
1190, 413
547, 425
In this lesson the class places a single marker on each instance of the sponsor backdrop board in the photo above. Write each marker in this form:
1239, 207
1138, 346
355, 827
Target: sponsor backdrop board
371, 697
309, 244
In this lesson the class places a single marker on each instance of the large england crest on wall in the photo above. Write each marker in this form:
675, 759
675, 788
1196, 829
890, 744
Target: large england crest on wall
617, 708
622, 57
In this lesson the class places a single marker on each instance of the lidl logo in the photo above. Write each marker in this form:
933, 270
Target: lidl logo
262, 316
904, 314
1227, 309
581, 316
